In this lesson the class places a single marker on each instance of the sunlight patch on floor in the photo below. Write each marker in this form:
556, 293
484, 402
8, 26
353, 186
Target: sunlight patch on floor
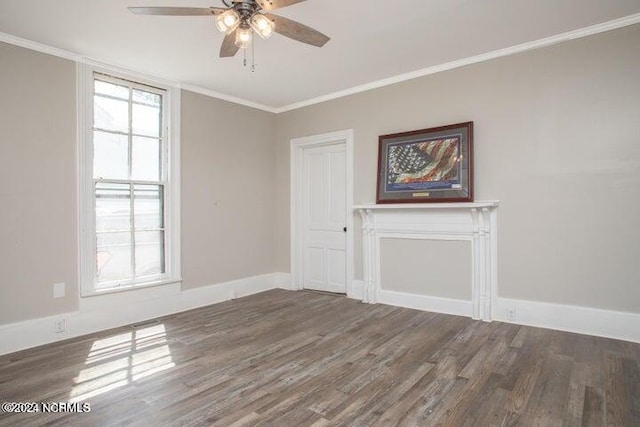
116, 361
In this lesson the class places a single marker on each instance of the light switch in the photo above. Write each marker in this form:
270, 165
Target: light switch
58, 290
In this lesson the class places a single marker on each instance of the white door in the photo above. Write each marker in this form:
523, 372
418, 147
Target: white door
324, 213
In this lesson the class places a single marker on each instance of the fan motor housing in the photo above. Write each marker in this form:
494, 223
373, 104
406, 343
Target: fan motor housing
243, 7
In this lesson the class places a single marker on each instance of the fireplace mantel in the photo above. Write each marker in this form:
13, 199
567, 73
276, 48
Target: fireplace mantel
475, 222
430, 206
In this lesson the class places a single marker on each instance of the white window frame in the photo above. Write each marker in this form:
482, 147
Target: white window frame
86, 195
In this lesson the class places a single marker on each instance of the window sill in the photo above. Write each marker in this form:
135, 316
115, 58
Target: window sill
132, 287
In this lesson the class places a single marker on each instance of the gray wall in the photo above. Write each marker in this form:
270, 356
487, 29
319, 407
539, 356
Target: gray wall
228, 208
227, 187
557, 141
37, 184
424, 267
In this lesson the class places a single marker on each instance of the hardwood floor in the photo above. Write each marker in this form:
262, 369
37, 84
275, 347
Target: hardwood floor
284, 358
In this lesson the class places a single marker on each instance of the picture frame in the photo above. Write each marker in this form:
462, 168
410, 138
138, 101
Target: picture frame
432, 165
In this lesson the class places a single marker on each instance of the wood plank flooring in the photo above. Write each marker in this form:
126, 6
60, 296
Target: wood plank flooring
284, 358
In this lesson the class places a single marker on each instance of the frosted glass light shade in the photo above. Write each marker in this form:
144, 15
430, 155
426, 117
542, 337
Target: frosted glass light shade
228, 21
262, 25
244, 35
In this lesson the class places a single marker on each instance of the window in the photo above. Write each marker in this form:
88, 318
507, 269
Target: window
128, 212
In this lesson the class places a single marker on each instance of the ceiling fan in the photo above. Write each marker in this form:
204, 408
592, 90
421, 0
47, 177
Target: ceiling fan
241, 18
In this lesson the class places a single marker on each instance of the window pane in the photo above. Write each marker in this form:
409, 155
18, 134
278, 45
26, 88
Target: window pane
147, 206
113, 207
128, 148
110, 155
104, 88
146, 120
113, 257
146, 159
110, 114
149, 253
147, 98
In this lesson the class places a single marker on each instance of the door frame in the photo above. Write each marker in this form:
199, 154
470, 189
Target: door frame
298, 145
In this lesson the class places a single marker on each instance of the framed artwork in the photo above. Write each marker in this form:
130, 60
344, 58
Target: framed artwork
426, 166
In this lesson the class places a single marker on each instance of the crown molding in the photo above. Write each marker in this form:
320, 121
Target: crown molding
38, 47
65, 54
512, 50
229, 98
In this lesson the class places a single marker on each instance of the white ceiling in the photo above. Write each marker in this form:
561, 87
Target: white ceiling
370, 39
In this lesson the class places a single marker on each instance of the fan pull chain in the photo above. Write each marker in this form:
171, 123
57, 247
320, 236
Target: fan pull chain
253, 57
244, 53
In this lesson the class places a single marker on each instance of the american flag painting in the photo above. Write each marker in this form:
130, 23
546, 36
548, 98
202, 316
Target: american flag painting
426, 166
431, 164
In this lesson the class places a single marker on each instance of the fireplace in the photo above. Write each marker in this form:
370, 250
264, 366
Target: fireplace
467, 233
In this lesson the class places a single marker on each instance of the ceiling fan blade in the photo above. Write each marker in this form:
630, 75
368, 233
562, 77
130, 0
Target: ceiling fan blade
296, 31
276, 4
229, 48
174, 11
217, 10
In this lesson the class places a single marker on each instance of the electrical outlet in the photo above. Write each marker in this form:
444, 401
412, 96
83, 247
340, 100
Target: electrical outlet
60, 325
511, 313
58, 290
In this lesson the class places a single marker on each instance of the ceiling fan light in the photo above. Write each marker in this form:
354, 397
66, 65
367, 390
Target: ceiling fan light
228, 21
262, 25
244, 35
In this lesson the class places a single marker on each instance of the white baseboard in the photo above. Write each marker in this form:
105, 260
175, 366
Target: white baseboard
426, 303
283, 281
119, 309
114, 310
582, 320
357, 289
